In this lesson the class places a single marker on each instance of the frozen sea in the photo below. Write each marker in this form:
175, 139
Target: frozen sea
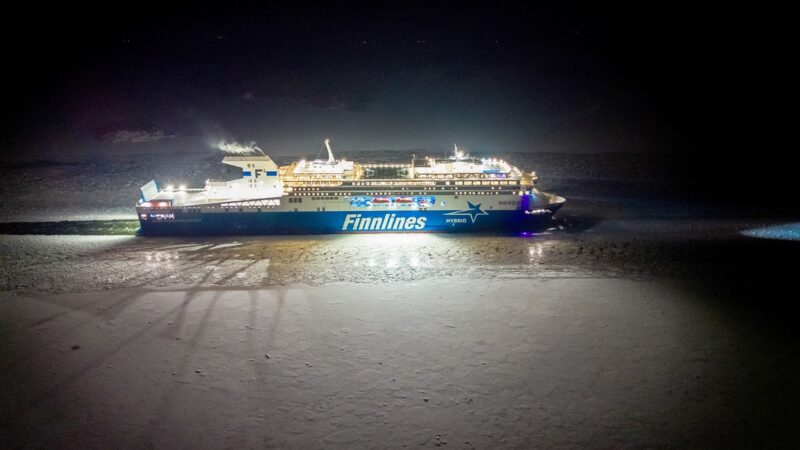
640, 318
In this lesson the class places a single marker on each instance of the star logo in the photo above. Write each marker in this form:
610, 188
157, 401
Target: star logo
473, 212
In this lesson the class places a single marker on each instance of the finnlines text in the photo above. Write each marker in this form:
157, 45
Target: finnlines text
353, 222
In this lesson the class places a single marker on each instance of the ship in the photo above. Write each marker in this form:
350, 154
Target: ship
454, 193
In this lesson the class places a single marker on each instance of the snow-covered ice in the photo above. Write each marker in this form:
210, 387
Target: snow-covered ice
584, 362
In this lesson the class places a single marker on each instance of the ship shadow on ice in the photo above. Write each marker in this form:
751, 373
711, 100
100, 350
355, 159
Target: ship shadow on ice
263, 314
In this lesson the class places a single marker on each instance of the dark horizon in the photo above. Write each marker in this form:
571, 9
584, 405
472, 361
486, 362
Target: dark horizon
699, 83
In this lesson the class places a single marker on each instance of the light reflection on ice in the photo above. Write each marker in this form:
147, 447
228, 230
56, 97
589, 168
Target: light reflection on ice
535, 252
262, 260
157, 257
395, 251
785, 232
228, 245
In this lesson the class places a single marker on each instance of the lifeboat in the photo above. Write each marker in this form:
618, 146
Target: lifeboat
381, 200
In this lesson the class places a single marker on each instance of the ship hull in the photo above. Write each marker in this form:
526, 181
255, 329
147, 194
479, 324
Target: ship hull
274, 222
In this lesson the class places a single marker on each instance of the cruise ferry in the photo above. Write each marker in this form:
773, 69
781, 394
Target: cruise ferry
458, 193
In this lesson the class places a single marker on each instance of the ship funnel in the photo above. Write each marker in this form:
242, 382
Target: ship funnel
330, 153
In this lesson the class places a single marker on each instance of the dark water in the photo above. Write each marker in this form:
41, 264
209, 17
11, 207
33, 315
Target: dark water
71, 227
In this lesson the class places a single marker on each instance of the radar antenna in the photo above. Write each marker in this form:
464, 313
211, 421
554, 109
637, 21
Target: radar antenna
457, 154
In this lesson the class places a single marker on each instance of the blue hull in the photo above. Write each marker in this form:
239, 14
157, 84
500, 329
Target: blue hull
238, 223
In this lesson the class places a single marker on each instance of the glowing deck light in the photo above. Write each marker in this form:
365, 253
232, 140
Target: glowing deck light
182, 187
170, 187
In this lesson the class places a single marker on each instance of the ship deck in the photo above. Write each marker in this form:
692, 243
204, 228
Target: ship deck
379, 172
186, 197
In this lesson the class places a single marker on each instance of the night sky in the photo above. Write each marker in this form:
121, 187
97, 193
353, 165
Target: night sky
703, 84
